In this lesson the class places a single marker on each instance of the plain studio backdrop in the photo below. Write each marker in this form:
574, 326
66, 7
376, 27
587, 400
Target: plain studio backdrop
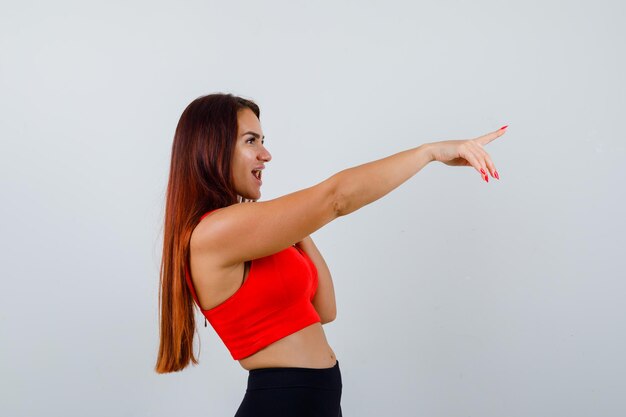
455, 297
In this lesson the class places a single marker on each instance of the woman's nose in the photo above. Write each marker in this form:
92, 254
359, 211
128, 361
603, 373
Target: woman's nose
265, 155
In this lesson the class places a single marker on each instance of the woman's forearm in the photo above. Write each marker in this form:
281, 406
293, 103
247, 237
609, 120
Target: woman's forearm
358, 186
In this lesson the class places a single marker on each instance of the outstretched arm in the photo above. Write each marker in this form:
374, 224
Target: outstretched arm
242, 232
363, 184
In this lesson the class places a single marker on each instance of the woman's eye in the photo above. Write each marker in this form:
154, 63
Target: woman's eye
250, 140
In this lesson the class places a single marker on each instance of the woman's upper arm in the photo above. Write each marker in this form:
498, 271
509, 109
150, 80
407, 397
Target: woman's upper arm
246, 231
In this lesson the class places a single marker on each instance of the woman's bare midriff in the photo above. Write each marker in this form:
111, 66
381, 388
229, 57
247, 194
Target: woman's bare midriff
306, 348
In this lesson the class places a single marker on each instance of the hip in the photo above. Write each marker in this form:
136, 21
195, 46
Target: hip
293, 391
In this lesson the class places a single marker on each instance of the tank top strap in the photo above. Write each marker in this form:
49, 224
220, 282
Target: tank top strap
208, 212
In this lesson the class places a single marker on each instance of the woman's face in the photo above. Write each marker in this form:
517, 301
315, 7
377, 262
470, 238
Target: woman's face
250, 155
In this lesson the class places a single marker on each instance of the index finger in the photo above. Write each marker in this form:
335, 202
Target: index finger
485, 139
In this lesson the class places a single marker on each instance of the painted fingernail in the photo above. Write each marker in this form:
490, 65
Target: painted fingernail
483, 171
504, 127
486, 178
495, 174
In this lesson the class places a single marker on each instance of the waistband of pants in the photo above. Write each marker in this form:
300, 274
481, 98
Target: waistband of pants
268, 378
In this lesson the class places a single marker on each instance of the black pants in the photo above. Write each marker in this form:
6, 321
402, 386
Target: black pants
292, 392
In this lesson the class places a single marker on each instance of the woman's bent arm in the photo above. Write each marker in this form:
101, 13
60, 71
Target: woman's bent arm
324, 299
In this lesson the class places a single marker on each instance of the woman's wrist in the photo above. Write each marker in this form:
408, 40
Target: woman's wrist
427, 149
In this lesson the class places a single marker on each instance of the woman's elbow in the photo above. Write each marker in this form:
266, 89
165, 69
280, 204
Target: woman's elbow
327, 318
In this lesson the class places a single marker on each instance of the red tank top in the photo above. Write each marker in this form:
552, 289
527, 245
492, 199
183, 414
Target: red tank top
273, 302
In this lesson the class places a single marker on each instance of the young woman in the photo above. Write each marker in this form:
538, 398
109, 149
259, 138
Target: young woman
253, 269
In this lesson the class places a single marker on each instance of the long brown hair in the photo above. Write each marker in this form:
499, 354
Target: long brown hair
200, 180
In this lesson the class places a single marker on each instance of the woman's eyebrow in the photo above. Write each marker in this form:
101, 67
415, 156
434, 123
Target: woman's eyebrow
256, 135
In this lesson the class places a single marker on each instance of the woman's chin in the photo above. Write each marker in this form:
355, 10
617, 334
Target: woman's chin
252, 196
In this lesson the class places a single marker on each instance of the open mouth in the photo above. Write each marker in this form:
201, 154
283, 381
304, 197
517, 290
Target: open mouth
257, 174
